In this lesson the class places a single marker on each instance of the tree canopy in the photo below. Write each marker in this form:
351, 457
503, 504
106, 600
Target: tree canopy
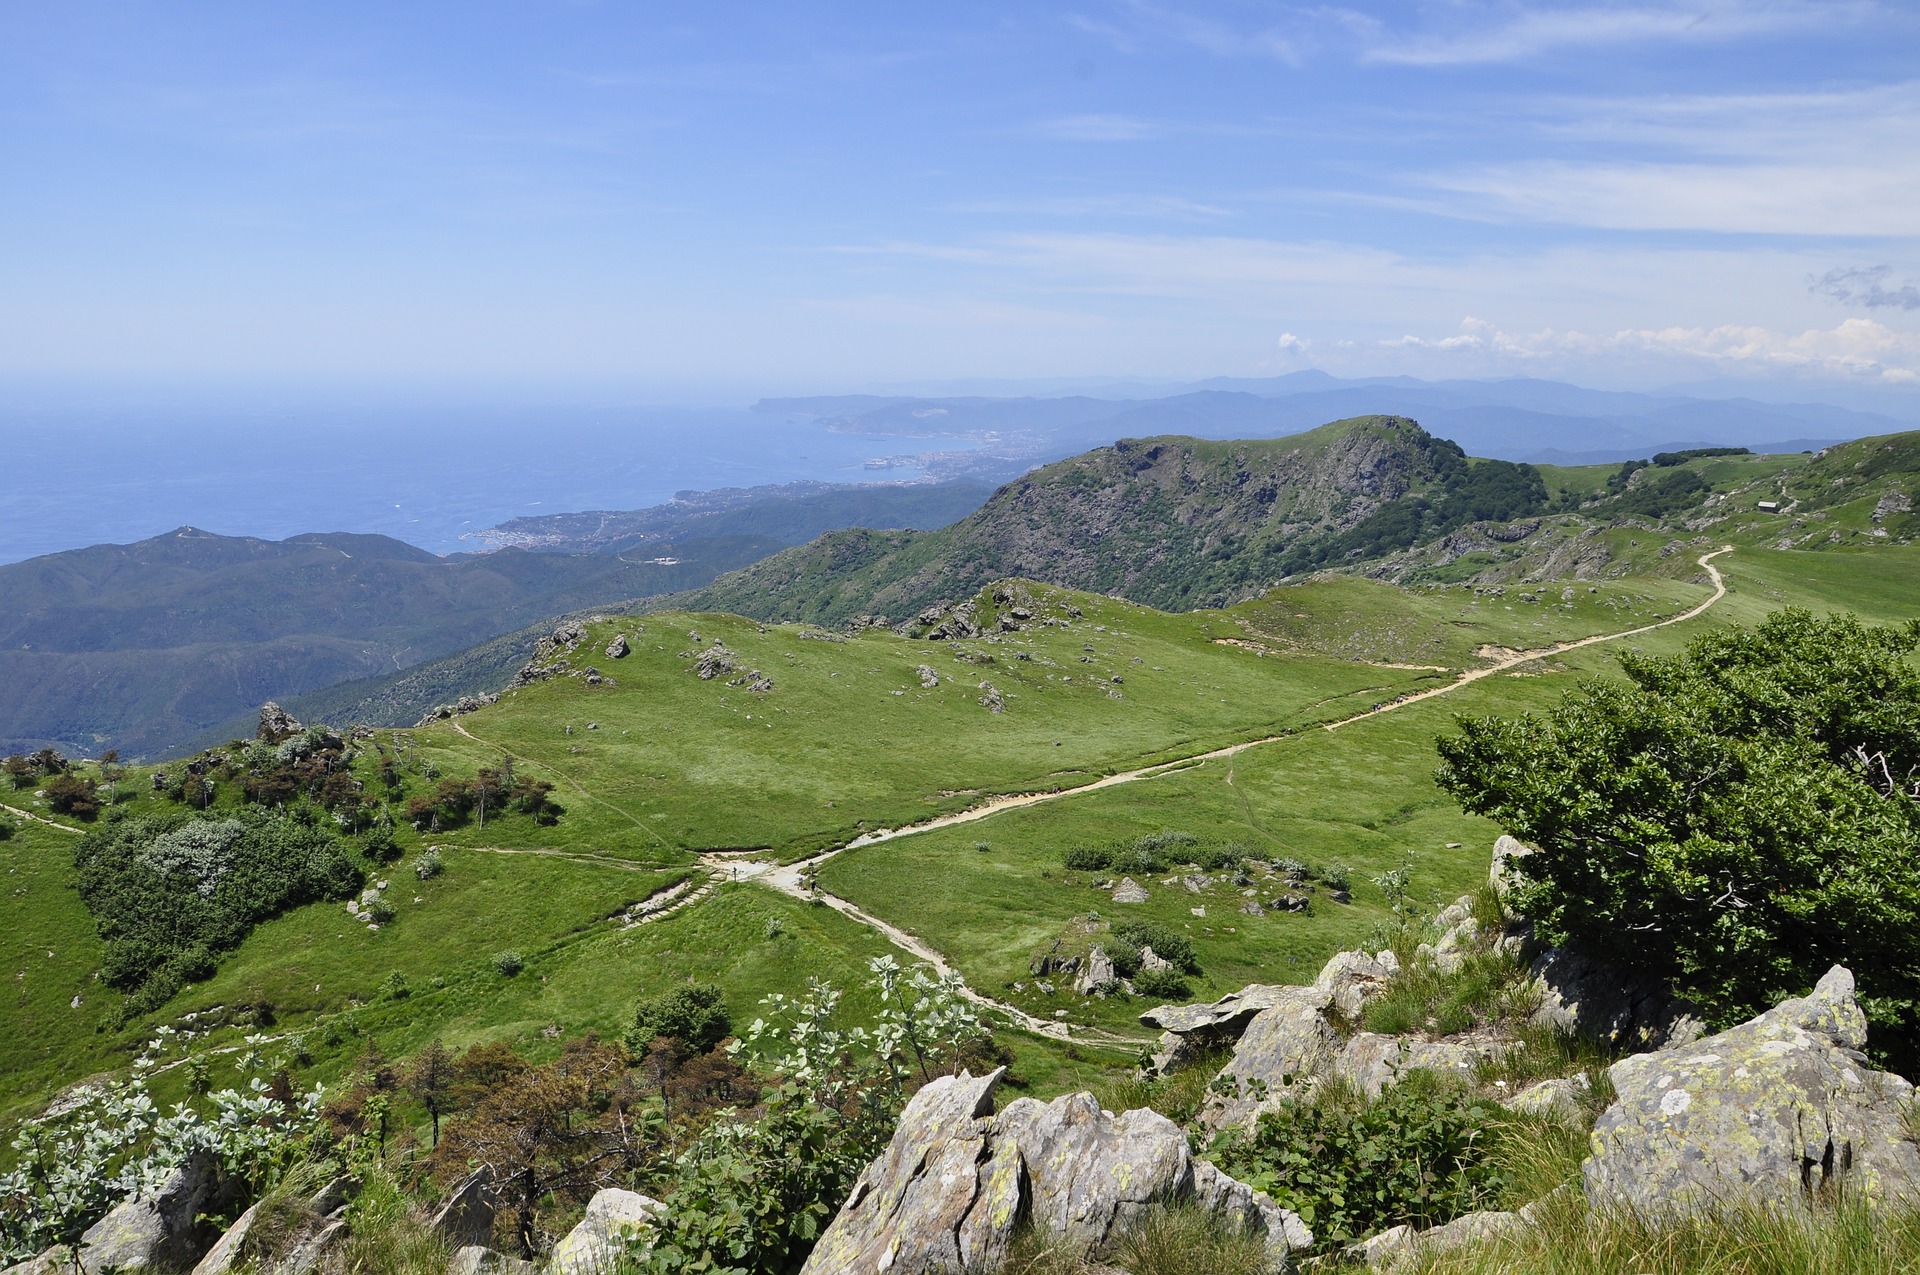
1735, 818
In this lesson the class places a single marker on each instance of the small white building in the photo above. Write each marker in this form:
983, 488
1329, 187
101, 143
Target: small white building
1769, 506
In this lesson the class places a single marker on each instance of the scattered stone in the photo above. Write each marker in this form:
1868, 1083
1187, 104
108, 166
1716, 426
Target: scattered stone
1772, 1112
1560, 1096
713, 662
618, 649
928, 678
991, 698
1252, 908
1196, 884
1199, 911
613, 1217
1130, 891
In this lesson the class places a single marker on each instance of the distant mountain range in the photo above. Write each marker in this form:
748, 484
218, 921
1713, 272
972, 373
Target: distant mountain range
1522, 420
151, 647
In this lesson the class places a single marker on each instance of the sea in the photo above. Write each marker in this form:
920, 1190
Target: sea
428, 476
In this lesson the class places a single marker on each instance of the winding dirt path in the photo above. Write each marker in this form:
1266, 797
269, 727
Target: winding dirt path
797, 879
28, 814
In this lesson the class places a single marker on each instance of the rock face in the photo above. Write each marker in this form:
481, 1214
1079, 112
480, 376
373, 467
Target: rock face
955, 1182
156, 1232
466, 1219
593, 1246
1771, 1111
276, 723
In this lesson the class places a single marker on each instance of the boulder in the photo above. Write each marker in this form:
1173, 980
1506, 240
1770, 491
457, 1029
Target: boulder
1560, 1097
618, 649
1096, 974
1589, 997
613, 1218
318, 1211
466, 1218
1194, 1029
276, 723
157, 1231
957, 1180
1152, 960
1371, 1062
1290, 1041
1351, 979
476, 1260
1130, 891
1772, 1112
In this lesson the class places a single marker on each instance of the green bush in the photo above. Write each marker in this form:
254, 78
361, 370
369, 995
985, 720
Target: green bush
1166, 985
1418, 1154
170, 892
1734, 819
1087, 859
1174, 948
509, 962
696, 1016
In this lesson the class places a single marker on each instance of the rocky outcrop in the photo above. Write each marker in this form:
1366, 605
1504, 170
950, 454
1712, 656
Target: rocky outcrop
614, 1217
619, 648
305, 1236
715, 661
465, 704
159, 1231
466, 1218
1774, 1111
1096, 974
957, 1180
276, 723
1593, 998
549, 654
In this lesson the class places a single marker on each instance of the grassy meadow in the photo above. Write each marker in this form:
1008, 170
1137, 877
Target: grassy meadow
660, 765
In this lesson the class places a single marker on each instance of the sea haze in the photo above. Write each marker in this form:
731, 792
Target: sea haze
421, 475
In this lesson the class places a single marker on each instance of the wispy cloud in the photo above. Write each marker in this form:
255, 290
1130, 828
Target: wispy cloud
1859, 349
1861, 286
1139, 26
1099, 128
1521, 32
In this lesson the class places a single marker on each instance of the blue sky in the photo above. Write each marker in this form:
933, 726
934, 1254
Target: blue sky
715, 199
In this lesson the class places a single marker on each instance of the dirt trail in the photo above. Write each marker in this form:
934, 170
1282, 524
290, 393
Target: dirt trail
794, 878
28, 814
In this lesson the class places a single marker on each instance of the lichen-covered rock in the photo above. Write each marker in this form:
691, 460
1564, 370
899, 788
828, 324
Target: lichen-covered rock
1769, 1112
1287, 1042
1550, 1096
1097, 974
160, 1231
957, 1180
1371, 1062
1129, 891
1351, 979
613, 1218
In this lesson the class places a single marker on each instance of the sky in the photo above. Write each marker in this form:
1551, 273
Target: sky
711, 200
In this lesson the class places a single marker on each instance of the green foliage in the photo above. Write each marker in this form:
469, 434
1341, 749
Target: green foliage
1088, 858
1657, 497
1417, 1154
509, 963
1488, 987
1174, 948
695, 1016
170, 892
1736, 818
1697, 453
1161, 984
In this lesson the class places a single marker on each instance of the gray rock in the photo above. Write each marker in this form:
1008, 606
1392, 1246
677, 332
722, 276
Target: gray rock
1402, 1244
276, 723
1096, 974
1130, 891
160, 1231
1769, 1112
1593, 998
713, 662
1196, 883
618, 649
476, 1260
1152, 960
311, 1252
957, 1180
1351, 979
614, 1217
1193, 1029
1550, 1097
1372, 1062
928, 678
466, 1218
1289, 1042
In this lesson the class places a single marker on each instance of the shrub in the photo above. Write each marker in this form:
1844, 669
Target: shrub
1174, 948
1161, 984
1087, 859
429, 865
1336, 876
1217, 858
509, 962
6, 828
72, 795
381, 912
394, 987
1134, 861
1417, 1155
1736, 818
171, 892
696, 1016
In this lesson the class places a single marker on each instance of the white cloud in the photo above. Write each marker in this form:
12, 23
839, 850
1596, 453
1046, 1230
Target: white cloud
1534, 31
1858, 349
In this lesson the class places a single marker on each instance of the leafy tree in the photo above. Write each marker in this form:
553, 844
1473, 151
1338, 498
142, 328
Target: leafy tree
696, 1016
72, 795
1734, 819
19, 770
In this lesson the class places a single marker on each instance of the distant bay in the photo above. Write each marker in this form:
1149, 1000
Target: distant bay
75, 478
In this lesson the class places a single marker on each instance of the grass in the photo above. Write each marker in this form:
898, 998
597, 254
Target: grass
1179, 1240
1850, 1238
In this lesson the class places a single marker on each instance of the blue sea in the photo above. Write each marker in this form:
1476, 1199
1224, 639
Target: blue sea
73, 478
